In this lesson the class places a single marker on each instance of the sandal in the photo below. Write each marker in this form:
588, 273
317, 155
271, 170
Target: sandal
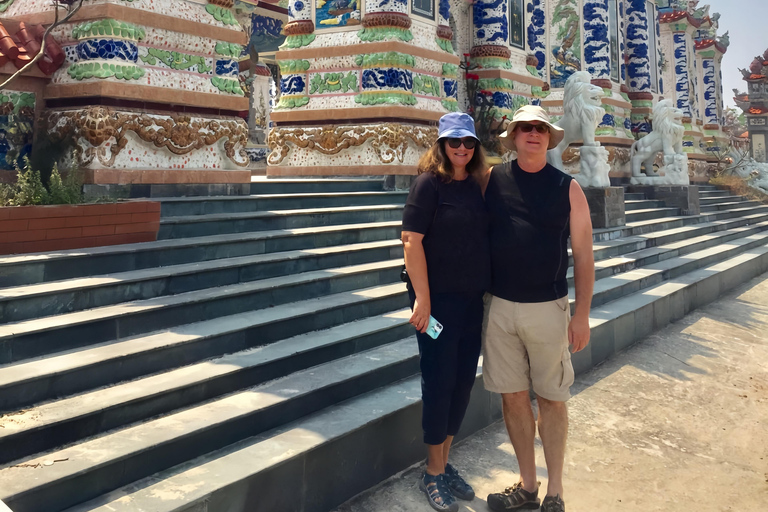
553, 504
514, 498
438, 493
459, 487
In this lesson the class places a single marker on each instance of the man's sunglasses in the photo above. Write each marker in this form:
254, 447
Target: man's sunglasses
468, 142
527, 128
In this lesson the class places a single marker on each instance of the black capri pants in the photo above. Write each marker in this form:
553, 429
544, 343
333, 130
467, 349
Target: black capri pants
449, 363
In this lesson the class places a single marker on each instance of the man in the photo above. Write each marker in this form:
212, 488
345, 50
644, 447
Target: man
528, 328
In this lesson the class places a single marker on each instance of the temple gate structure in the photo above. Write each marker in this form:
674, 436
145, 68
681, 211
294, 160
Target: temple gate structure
192, 97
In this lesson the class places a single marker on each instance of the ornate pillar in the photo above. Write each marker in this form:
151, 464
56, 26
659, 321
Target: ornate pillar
597, 54
638, 80
386, 19
490, 53
299, 30
444, 32
537, 35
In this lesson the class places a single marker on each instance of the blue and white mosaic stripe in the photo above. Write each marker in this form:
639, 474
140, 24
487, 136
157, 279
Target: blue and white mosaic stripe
227, 67
107, 49
638, 69
596, 46
444, 13
622, 38
682, 83
710, 92
391, 79
491, 25
299, 10
399, 6
293, 85
537, 34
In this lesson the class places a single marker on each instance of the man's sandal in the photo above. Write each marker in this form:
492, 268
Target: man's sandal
514, 498
553, 504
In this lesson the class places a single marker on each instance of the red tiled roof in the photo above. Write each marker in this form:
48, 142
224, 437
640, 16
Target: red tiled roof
24, 46
706, 43
670, 17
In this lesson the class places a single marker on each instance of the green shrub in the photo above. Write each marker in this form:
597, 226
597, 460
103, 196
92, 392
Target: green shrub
29, 189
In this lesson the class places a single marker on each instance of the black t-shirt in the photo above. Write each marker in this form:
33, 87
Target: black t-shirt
530, 226
454, 221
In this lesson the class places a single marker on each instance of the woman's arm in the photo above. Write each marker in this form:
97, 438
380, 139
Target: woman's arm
416, 266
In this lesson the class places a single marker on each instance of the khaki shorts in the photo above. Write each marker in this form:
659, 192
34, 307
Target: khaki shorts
527, 343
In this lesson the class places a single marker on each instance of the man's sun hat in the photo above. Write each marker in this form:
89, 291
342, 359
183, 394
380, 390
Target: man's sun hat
456, 125
528, 113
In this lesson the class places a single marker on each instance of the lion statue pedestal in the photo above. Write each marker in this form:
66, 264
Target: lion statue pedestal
593, 167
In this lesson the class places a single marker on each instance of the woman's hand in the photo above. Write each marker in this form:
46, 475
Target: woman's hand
420, 316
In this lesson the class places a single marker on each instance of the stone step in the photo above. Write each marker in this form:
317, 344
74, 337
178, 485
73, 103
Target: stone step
720, 199
650, 213
642, 204
708, 188
646, 256
202, 225
184, 206
66, 373
57, 297
246, 475
116, 458
708, 208
55, 266
75, 418
626, 283
634, 196
37, 337
713, 193
262, 185
663, 223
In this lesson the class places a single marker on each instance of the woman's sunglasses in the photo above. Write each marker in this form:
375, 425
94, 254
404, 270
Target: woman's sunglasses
468, 142
527, 128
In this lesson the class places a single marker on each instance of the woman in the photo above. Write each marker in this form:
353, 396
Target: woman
445, 239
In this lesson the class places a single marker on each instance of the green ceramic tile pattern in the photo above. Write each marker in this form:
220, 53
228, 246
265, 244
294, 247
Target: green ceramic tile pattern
108, 27
624, 95
228, 85
495, 84
642, 103
490, 62
288, 67
5, 4
83, 70
450, 70
385, 97
538, 92
532, 70
292, 101
384, 34
609, 108
297, 41
385, 60
425, 84
229, 49
19, 100
445, 44
333, 82
450, 105
221, 14
175, 60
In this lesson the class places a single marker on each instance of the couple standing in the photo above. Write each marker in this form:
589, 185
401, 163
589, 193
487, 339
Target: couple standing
468, 230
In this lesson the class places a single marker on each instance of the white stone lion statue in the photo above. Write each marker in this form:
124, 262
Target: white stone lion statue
667, 136
582, 113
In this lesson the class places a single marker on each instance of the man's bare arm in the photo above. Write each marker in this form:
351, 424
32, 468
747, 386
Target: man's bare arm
583, 267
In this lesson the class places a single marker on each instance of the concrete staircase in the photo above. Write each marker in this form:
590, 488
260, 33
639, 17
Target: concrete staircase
259, 356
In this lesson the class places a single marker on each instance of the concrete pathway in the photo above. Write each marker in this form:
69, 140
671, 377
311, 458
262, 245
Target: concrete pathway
679, 422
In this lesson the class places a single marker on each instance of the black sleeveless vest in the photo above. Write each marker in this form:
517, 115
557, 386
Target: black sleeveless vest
529, 230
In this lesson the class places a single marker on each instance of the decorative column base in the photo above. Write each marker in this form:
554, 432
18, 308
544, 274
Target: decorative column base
606, 206
593, 167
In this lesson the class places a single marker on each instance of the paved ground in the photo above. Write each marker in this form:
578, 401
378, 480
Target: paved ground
679, 422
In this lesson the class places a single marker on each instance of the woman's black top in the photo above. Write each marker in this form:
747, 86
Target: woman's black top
454, 221
530, 226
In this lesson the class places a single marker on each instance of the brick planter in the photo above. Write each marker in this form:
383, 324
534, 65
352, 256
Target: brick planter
25, 229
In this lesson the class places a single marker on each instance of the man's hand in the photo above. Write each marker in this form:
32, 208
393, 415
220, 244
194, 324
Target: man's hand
578, 333
420, 316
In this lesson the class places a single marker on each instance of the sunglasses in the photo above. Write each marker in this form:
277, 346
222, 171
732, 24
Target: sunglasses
527, 128
468, 142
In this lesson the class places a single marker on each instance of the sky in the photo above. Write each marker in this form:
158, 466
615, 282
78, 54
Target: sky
747, 21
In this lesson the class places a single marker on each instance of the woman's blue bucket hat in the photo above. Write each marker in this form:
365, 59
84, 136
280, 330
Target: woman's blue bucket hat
456, 125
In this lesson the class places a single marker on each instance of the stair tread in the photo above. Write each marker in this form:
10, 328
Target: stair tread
52, 413
94, 354
77, 317
282, 195
274, 213
120, 444
24, 291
